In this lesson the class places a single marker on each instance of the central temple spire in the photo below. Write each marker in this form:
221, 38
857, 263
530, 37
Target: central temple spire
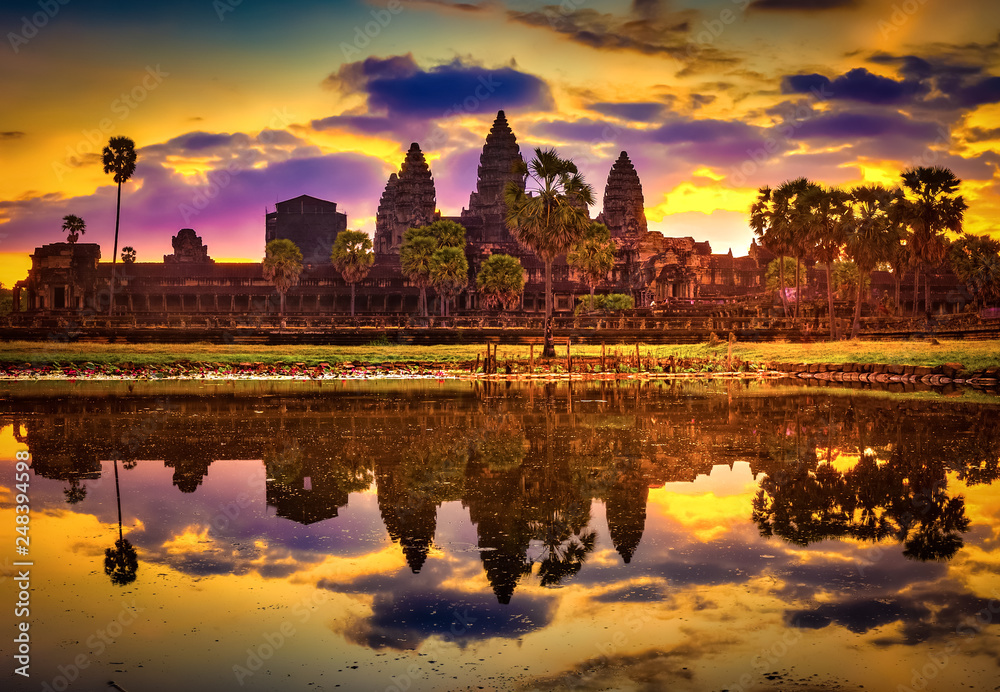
497, 163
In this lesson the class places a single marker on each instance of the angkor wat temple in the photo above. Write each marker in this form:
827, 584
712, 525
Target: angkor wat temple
68, 278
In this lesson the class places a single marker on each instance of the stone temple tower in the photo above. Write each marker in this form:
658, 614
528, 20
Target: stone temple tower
501, 154
409, 200
624, 213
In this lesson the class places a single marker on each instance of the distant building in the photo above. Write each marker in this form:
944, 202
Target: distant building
311, 223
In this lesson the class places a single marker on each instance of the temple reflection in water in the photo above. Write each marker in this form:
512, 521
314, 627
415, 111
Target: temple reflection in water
528, 461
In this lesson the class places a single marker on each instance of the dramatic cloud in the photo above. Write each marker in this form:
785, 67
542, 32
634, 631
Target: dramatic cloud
852, 125
857, 85
643, 111
398, 88
650, 30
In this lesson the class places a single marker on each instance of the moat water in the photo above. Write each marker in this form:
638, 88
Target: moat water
403, 536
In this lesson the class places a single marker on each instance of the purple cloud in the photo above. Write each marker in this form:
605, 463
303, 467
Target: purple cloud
857, 85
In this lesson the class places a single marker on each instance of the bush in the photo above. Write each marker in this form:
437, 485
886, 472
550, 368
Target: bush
611, 302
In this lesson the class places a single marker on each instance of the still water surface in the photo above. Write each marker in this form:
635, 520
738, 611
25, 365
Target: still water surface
397, 536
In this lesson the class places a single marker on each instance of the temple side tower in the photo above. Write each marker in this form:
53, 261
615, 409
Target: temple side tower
409, 200
624, 213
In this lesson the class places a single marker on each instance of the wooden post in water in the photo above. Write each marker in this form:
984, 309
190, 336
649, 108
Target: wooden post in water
476, 366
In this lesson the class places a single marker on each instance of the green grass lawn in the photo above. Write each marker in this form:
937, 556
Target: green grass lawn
973, 355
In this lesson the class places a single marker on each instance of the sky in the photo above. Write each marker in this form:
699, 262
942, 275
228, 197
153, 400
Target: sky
235, 105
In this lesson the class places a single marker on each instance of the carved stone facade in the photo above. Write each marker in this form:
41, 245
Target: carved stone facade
408, 201
188, 249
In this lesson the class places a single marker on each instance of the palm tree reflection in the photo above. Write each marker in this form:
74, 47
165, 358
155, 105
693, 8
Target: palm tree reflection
121, 563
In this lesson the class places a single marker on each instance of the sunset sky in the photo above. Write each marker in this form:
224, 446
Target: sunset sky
237, 104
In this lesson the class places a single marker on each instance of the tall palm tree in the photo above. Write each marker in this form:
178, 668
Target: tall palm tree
282, 267
872, 236
415, 261
449, 274
593, 255
353, 257
769, 219
931, 209
119, 158
827, 217
549, 215
74, 227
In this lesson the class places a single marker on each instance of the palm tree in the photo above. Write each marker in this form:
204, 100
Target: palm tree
415, 261
119, 158
975, 259
128, 254
74, 227
593, 255
282, 267
872, 236
353, 257
828, 215
769, 227
449, 274
549, 217
931, 209
781, 222
500, 281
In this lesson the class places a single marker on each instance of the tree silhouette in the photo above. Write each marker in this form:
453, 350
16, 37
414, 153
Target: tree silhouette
353, 257
449, 274
74, 227
128, 254
119, 158
282, 267
593, 255
121, 563
931, 208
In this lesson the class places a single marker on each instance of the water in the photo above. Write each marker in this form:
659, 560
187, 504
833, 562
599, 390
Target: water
454, 535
